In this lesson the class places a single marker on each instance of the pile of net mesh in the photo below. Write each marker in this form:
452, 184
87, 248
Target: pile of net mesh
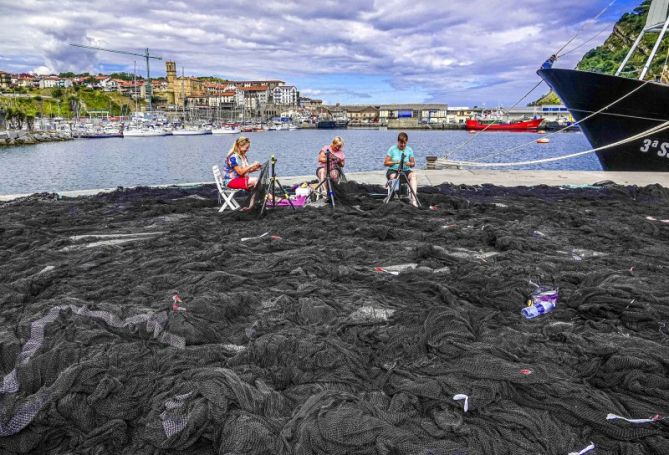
139, 322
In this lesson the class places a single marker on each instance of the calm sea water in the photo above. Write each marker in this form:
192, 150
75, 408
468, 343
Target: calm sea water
104, 163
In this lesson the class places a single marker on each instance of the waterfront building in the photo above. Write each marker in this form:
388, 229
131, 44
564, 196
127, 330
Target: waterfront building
129, 88
216, 88
54, 82
285, 95
549, 112
223, 99
253, 97
271, 85
361, 115
309, 103
109, 85
458, 115
27, 81
399, 115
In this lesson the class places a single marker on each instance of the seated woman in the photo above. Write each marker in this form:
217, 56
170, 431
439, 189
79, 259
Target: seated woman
392, 161
337, 160
237, 169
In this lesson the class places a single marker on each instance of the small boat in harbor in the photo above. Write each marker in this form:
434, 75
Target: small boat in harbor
226, 130
326, 125
145, 132
102, 133
191, 131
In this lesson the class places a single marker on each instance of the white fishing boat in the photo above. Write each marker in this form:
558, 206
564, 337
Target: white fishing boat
226, 130
144, 132
100, 132
191, 131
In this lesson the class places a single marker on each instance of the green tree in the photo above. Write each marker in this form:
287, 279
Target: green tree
125, 76
16, 117
57, 93
607, 57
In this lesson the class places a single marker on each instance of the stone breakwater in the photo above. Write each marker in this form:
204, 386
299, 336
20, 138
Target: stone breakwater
9, 138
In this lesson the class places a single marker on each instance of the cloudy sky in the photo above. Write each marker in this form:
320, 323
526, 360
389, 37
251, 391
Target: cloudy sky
463, 52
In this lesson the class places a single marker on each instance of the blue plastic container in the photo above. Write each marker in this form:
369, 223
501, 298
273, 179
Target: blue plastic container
538, 309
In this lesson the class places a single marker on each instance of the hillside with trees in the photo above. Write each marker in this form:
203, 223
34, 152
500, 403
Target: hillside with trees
608, 57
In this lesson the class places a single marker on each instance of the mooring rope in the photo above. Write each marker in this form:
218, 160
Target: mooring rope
657, 129
581, 30
594, 37
561, 130
557, 53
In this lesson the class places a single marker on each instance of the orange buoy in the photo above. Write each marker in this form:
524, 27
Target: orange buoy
543, 140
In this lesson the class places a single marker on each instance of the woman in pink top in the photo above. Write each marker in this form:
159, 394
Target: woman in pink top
337, 161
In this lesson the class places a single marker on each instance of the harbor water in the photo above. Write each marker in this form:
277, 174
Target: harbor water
108, 163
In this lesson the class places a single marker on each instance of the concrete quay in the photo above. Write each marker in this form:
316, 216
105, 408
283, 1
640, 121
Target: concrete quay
509, 178
453, 176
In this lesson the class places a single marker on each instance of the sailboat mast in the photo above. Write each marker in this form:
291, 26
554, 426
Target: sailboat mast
134, 84
183, 94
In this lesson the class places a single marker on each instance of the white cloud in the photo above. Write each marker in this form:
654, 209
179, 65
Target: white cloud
444, 48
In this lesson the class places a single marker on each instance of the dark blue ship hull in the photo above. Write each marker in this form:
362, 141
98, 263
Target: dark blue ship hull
584, 93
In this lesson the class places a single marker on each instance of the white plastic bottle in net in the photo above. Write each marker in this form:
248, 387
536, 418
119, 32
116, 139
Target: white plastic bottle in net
538, 309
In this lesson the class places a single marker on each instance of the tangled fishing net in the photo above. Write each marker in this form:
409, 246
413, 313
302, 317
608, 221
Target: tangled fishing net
138, 322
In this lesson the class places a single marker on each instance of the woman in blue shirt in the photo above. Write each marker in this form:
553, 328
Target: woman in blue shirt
392, 161
237, 170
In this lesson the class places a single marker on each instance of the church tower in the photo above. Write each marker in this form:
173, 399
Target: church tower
171, 70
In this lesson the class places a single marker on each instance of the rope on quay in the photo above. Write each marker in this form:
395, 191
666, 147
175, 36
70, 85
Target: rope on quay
656, 129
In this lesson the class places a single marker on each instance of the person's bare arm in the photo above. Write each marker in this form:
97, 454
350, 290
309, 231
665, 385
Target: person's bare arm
412, 162
243, 170
389, 161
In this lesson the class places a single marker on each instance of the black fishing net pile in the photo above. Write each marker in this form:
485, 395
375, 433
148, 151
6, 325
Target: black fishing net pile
301, 342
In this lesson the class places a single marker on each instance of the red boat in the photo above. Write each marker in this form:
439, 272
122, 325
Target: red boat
493, 125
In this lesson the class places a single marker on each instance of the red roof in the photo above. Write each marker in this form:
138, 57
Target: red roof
248, 82
215, 85
255, 88
123, 83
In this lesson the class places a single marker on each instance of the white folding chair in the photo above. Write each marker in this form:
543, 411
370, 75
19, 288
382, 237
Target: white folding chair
393, 186
225, 195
